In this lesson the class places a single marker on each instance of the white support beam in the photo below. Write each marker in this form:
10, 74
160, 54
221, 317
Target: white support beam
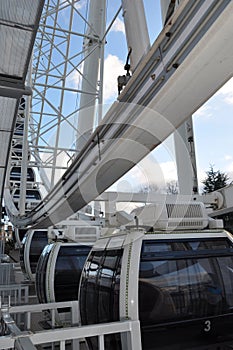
184, 148
93, 55
180, 72
136, 30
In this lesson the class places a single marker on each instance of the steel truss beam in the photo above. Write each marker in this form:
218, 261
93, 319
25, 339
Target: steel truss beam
187, 64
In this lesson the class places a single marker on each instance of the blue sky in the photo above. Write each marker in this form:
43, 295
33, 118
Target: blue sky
212, 122
213, 131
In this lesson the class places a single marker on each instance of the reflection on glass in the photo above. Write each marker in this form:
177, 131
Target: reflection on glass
68, 269
99, 293
179, 288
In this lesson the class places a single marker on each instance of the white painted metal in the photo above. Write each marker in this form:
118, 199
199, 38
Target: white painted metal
190, 137
171, 216
168, 7
136, 30
227, 205
14, 339
183, 90
184, 149
24, 164
94, 52
56, 74
183, 161
49, 280
28, 339
17, 36
164, 4
90, 331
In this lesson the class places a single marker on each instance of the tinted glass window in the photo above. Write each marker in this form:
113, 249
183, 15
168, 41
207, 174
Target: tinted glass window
15, 174
99, 292
34, 195
68, 268
19, 128
188, 280
30, 194
38, 242
100, 287
187, 247
109, 283
41, 274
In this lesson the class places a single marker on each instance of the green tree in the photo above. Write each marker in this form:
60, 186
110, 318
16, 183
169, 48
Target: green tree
214, 180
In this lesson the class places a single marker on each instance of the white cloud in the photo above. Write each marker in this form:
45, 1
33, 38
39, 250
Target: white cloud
80, 4
118, 26
148, 173
74, 79
113, 67
169, 171
228, 157
227, 92
203, 111
229, 169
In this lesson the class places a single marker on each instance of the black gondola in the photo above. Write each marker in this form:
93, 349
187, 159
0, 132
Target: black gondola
32, 246
31, 194
17, 150
179, 285
58, 271
15, 174
33, 198
19, 128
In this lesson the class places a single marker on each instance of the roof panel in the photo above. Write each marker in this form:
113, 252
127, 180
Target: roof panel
18, 25
19, 20
23, 12
4, 145
2, 170
7, 110
14, 44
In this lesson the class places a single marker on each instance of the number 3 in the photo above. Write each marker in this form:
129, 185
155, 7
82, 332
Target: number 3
207, 326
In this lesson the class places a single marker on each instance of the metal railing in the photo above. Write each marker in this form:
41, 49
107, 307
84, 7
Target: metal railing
2, 246
6, 273
61, 337
29, 310
10, 292
14, 294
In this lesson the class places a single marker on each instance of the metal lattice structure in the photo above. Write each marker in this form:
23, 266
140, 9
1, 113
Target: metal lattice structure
100, 158
57, 73
66, 76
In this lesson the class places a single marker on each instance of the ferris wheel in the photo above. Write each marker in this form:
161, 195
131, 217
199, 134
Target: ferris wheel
62, 155
66, 75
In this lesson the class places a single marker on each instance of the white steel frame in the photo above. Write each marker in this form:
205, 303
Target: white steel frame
161, 86
59, 59
26, 340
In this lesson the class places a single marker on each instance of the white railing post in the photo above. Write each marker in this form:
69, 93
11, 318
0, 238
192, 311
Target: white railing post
134, 336
75, 320
101, 342
129, 330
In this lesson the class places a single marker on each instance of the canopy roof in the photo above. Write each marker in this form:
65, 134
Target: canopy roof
19, 21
